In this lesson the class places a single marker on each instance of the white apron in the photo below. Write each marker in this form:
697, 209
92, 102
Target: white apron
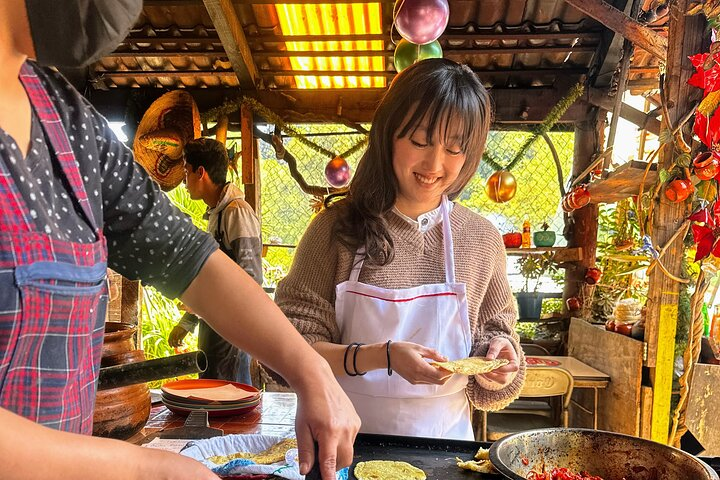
435, 316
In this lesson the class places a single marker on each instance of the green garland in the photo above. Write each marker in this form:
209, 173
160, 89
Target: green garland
490, 160
258, 108
552, 118
231, 106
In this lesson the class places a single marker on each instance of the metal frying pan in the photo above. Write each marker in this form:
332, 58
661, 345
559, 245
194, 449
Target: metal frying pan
611, 456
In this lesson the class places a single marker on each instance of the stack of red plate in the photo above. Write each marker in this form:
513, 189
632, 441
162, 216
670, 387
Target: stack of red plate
217, 397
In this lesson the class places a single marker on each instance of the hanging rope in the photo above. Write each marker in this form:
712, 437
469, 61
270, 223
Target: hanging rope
558, 165
690, 358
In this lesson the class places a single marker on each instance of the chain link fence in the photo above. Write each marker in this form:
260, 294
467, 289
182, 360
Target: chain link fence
287, 210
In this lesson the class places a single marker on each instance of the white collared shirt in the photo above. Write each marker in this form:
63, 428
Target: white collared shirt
425, 221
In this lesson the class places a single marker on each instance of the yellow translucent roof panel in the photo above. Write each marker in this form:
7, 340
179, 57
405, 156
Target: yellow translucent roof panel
334, 19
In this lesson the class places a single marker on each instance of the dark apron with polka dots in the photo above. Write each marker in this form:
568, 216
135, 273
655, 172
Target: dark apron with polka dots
53, 295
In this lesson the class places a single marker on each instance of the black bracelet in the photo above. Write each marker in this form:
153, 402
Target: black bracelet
355, 359
347, 349
387, 348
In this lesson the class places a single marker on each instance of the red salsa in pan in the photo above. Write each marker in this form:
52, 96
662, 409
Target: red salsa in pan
562, 474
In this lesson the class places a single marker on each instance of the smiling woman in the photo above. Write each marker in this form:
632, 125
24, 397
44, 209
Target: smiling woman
396, 274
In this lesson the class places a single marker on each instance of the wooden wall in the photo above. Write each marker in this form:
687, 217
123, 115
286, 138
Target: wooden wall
621, 358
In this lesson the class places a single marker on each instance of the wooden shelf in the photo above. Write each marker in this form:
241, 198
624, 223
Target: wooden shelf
562, 254
622, 183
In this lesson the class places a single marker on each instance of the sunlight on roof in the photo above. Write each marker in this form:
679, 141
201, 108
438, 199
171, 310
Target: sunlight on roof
334, 19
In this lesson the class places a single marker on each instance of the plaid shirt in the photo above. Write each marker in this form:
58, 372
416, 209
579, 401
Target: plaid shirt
53, 299
58, 213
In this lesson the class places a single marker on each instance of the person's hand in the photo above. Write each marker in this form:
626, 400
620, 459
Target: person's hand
176, 336
408, 360
501, 347
325, 415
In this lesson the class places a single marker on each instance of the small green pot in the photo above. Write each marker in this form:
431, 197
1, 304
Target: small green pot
544, 238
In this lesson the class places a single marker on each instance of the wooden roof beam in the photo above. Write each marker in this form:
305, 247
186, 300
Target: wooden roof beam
229, 29
513, 106
388, 74
599, 98
618, 22
448, 35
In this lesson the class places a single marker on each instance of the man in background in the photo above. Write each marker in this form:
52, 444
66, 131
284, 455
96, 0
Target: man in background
233, 223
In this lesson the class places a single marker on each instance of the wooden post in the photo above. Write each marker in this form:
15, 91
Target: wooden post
250, 160
221, 129
686, 38
588, 142
131, 298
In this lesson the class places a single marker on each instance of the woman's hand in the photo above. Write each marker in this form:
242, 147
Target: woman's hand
501, 347
408, 360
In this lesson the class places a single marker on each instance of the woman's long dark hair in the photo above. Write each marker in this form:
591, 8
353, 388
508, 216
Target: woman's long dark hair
452, 99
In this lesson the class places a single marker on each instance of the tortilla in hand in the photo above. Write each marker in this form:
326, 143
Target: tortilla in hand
387, 470
471, 365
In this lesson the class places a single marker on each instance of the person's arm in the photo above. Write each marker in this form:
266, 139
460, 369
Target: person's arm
230, 301
307, 296
495, 337
29, 451
407, 359
150, 239
242, 233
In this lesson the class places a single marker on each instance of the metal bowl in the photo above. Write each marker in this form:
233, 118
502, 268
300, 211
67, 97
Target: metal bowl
612, 456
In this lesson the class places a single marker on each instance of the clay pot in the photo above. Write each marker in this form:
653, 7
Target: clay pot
623, 328
512, 240
573, 304
678, 190
592, 275
579, 197
706, 165
544, 238
121, 412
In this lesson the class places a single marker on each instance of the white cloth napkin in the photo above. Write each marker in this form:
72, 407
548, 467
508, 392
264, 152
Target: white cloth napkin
201, 450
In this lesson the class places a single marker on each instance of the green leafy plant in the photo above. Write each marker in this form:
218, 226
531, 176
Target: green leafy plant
617, 230
534, 267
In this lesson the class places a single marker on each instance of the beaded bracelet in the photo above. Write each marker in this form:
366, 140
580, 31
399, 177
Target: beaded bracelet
387, 349
355, 359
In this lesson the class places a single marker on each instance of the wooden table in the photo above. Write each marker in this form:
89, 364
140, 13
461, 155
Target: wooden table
274, 416
584, 376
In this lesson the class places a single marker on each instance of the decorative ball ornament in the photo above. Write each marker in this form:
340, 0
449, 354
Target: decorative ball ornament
421, 21
501, 186
407, 53
337, 172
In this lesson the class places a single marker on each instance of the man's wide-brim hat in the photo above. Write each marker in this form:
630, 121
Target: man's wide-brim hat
171, 121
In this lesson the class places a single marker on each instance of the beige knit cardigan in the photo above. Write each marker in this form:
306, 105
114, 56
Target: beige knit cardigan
307, 294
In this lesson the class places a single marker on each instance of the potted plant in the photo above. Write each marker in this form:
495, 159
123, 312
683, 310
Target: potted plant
533, 267
544, 237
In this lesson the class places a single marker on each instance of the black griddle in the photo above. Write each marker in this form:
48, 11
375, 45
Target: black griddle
436, 457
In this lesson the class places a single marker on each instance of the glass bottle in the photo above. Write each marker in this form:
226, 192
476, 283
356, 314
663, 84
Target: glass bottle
526, 234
